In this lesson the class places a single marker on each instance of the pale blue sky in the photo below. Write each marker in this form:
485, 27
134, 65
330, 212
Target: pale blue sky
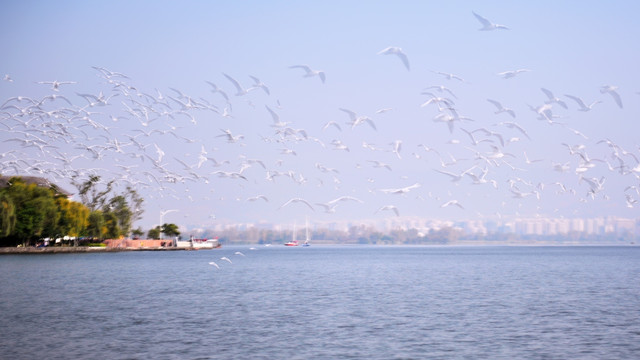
569, 49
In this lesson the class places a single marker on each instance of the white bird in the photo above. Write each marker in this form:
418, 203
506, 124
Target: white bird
389, 207
442, 88
257, 197
216, 89
344, 198
452, 202
397, 146
403, 190
309, 72
501, 108
226, 259
328, 208
512, 73
488, 25
528, 161
331, 123
380, 164
55, 85
296, 200
611, 90
239, 253
449, 76
239, 89
229, 136
513, 125
581, 103
259, 85
394, 50
339, 145
553, 99
276, 118
436, 100
455, 177
357, 120
214, 264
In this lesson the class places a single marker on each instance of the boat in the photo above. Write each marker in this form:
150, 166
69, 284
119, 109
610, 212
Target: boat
205, 243
195, 243
293, 241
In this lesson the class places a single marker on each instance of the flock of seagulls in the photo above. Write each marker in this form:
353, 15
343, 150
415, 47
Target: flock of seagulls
174, 146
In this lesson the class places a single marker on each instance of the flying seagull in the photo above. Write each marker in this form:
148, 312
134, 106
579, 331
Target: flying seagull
309, 72
389, 207
488, 25
296, 200
611, 90
394, 50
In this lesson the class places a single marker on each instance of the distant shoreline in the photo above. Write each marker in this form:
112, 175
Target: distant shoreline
79, 249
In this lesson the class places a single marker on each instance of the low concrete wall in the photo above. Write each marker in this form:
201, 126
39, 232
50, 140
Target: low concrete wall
142, 243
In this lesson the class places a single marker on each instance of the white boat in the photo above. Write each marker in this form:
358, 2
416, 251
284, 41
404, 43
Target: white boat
199, 243
293, 241
205, 243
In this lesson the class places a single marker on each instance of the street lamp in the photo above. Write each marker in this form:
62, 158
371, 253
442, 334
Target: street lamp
162, 214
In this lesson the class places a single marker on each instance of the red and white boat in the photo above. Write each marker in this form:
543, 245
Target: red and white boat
293, 241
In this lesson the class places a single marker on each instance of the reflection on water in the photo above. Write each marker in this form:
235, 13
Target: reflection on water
324, 302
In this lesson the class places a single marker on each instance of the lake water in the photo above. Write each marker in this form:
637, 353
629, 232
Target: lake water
324, 302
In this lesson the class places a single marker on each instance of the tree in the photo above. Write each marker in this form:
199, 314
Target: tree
135, 201
74, 217
154, 233
137, 232
90, 195
113, 230
119, 207
7, 215
96, 227
36, 211
170, 230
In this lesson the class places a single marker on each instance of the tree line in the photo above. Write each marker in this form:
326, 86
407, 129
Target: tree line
30, 212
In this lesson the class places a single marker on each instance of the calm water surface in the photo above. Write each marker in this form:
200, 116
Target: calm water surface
324, 302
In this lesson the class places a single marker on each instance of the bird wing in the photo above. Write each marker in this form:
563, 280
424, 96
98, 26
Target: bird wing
548, 93
234, 82
322, 76
577, 99
405, 59
276, 117
352, 114
497, 104
304, 67
616, 97
483, 21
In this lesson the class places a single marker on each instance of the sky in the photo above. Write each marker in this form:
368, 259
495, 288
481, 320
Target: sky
160, 128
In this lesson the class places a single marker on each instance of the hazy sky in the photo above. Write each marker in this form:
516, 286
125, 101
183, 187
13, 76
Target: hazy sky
160, 46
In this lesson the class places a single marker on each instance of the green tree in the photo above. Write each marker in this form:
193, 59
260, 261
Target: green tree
74, 217
36, 211
137, 232
170, 230
96, 227
113, 230
7, 215
154, 233
119, 207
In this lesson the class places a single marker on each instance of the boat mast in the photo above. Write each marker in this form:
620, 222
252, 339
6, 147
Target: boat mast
307, 229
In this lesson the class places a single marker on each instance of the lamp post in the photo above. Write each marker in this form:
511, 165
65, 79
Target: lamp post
162, 214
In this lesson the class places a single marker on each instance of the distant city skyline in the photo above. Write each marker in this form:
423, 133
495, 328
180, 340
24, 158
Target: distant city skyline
256, 112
